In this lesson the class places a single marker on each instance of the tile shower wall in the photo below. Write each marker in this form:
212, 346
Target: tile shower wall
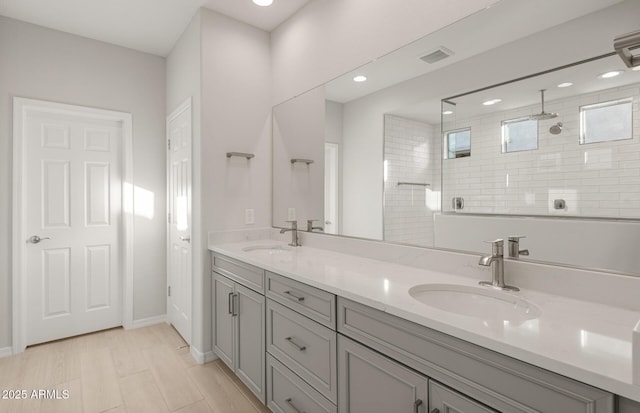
595, 180
411, 155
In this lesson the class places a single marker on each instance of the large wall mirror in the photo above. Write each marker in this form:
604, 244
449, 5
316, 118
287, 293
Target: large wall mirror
427, 152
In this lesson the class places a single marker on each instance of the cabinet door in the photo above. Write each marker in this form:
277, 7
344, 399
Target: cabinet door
370, 383
223, 319
445, 400
288, 393
250, 339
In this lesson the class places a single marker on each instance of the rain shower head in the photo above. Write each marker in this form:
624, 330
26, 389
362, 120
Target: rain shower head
543, 115
556, 129
628, 48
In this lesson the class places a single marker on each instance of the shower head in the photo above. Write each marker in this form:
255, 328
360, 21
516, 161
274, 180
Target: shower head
556, 129
543, 115
628, 48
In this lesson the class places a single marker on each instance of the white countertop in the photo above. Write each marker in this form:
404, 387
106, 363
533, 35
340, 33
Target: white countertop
588, 342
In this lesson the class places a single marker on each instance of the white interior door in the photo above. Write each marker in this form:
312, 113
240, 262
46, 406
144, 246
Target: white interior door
73, 221
179, 243
331, 187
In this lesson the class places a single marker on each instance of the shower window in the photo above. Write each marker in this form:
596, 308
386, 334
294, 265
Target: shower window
519, 135
607, 121
458, 143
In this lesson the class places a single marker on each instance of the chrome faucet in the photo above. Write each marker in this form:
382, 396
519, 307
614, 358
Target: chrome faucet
310, 226
514, 247
295, 241
496, 262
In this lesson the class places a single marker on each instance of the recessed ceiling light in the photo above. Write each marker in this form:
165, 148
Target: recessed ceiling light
263, 3
565, 84
491, 102
609, 75
447, 112
359, 78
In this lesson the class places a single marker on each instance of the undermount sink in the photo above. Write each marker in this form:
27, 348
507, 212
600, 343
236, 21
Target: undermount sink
478, 302
269, 248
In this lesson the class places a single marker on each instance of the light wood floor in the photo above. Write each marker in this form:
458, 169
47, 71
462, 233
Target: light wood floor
143, 370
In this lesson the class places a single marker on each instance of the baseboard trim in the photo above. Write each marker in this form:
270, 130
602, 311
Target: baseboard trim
149, 321
201, 357
6, 352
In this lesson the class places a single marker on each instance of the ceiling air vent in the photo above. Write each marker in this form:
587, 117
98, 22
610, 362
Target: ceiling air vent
437, 55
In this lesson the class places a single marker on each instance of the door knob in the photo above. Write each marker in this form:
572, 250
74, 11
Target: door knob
185, 239
34, 239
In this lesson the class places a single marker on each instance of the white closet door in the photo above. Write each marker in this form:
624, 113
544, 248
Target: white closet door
180, 252
73, 216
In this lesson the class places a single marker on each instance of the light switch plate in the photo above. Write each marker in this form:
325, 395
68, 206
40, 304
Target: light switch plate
291, 214
249, 216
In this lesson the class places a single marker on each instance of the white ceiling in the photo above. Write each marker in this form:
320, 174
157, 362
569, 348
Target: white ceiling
510, 31
151, 26
504, 22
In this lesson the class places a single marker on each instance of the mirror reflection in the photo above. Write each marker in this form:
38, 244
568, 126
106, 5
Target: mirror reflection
553, 157
573, 154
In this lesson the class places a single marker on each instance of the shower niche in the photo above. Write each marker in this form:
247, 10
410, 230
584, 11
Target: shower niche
562, 143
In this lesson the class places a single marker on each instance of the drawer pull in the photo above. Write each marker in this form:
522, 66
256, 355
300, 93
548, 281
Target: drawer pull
295, 409
230, 303
416, 406
435, 411
233, 300
294, 344
292, 296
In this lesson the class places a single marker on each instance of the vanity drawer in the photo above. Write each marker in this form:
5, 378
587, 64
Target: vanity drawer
496, 380
306, 347
288, 393
245, 274
312, 302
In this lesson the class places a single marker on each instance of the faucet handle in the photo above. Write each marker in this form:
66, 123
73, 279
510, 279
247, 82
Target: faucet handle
498, 241
514, 246
497, 246
294, 224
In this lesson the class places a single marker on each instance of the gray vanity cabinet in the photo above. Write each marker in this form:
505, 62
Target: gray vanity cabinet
288, 393
445, 400
304, 346
370, 382
223, 320
302, 349
301, 345
495, 380
239, 330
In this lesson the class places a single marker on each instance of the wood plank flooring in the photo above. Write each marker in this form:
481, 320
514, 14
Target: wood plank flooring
117, 371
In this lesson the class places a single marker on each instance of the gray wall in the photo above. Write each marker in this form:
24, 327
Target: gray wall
327, 38
236, 107
183, 81
225, 66
40, 63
